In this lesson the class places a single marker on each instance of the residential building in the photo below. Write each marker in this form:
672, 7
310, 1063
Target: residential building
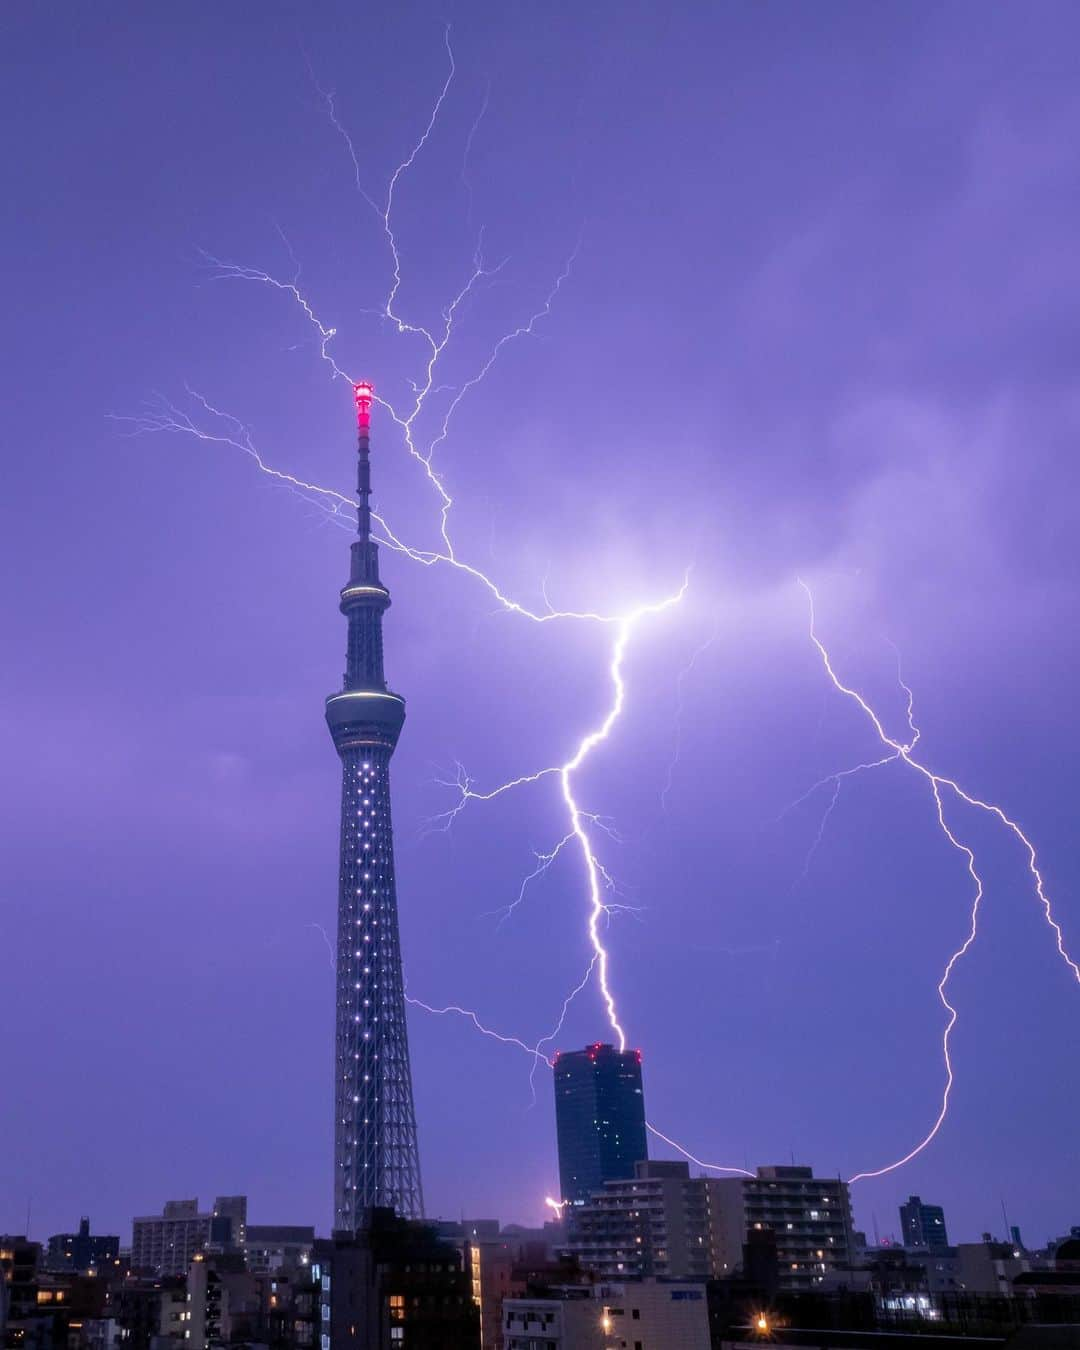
490, 1266
989, 1267
811, 1217
81, 1250
655, 1223
224, 1302
599, 1117
151, 1312
561, 1320
228, 1224
923, 1226
654, 1315
20, 1263
166, 1244
395, 1282
273, 1248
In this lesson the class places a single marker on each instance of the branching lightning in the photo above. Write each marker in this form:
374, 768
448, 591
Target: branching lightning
436, 405
902, 750
579, 818
222, 428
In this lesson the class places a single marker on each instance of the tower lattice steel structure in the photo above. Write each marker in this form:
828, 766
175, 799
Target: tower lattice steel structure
375, 1155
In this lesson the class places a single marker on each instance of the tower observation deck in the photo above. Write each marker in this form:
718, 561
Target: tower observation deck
375, 1155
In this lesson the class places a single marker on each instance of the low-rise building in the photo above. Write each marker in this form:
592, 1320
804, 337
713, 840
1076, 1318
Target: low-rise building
562, 1320
634, 1315
989, 1267
273, 1248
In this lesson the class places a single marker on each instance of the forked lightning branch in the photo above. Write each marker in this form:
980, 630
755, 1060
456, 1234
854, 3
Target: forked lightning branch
363, 1114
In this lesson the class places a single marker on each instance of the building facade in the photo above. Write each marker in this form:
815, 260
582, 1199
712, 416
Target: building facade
167, 1243
656, 1223
376, 1162
810, 1216
599, 1118
989, 1267
923, 1226
224, 1303
273, 1248
394, 1284
81, 1251
642, 1315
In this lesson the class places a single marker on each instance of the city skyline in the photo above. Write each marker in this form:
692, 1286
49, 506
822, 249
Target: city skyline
170, 859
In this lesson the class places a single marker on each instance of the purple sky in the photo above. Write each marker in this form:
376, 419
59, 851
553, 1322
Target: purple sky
822, 321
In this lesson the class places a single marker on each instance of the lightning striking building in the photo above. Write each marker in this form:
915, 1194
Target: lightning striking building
375, 1155
599, 1118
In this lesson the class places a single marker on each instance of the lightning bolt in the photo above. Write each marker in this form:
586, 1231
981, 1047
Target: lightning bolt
329, 945
577, 817
939, 783
535, 1051
205, 422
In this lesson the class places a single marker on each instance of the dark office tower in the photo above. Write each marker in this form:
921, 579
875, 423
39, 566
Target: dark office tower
923, 1225
599, 1118
375, 1154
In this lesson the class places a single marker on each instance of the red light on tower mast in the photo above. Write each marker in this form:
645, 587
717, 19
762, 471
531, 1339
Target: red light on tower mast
363, 393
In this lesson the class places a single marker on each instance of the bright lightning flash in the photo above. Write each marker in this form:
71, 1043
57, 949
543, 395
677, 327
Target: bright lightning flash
902, 750
224, 429
579, 819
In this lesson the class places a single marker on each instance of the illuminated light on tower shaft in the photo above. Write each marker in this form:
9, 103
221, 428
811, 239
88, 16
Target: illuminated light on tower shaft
375, 1155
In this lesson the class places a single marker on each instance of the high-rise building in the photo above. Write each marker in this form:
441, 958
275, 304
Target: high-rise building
811, 1217
599, 1118
376, 1162
657, 1223
923, 1225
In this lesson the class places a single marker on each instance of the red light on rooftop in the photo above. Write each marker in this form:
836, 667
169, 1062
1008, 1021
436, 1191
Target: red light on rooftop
363, 393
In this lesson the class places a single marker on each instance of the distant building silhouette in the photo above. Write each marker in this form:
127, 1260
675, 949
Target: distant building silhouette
80, 1251
922, 1225
395, 1283
599, 1118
